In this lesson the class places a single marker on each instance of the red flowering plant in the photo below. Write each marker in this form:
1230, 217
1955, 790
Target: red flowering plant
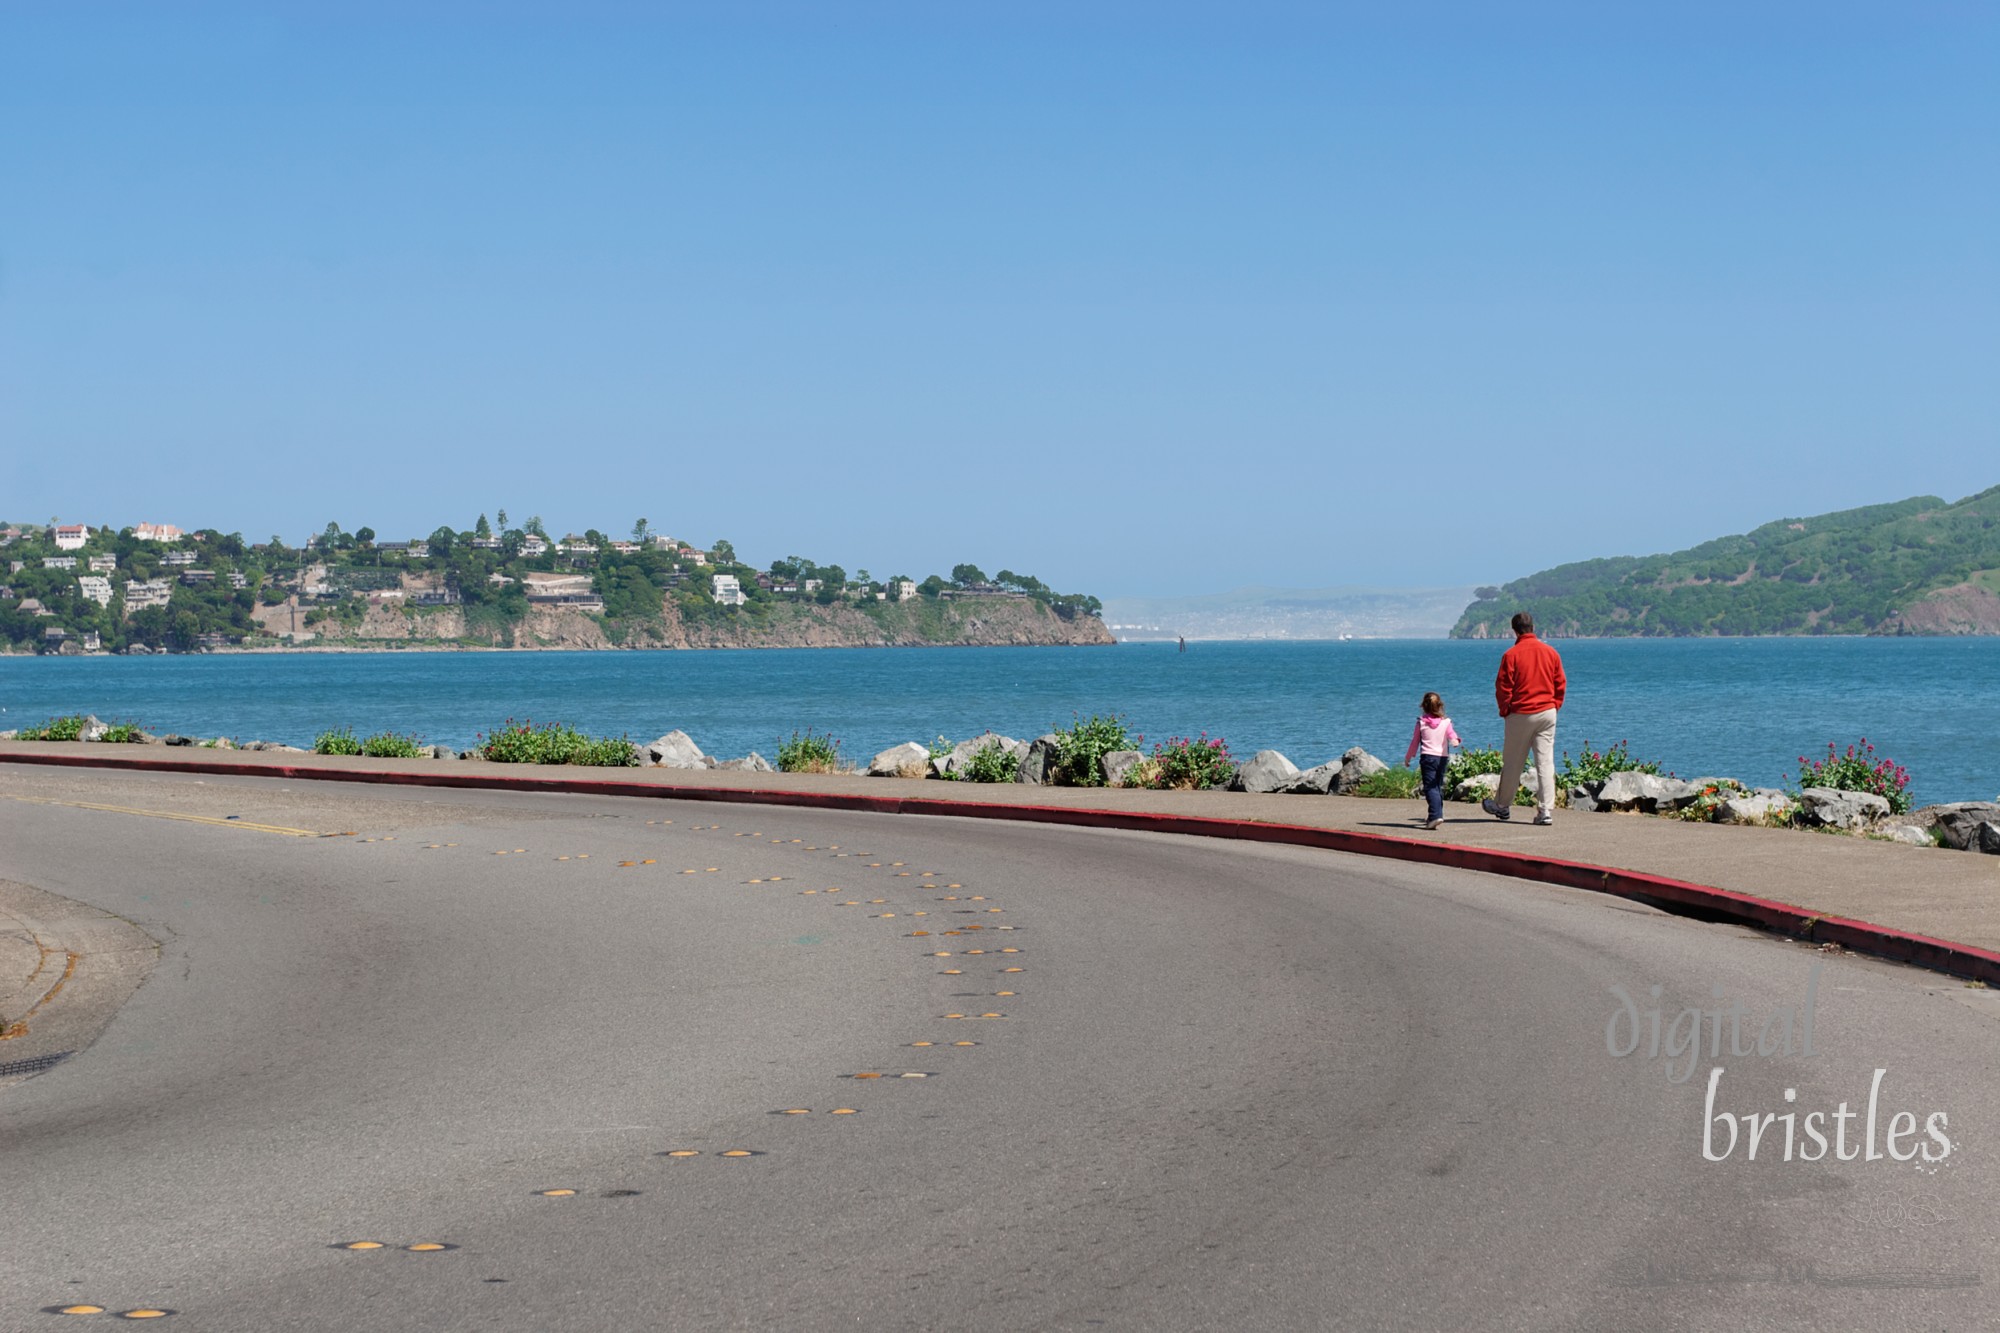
1859, 770
1180, 764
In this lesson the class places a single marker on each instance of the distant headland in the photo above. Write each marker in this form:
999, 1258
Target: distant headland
79, 588
1920, 566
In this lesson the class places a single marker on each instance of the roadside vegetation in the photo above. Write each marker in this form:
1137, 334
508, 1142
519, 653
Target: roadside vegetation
809, 751
1181, 764
555, 743
1080, 751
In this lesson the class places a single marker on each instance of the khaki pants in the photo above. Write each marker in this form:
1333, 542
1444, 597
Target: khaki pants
1525, 730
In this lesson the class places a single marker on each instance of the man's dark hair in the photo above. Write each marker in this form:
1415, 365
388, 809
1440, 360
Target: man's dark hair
1523, 623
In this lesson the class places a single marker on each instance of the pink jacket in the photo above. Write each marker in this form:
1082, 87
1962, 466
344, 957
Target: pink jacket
1434, 735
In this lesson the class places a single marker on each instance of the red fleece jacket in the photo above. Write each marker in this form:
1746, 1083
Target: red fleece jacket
1531, 678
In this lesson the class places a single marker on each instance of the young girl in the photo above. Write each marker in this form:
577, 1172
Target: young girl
1435, 737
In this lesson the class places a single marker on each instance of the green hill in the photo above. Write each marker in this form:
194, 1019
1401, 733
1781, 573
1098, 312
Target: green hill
1920, 566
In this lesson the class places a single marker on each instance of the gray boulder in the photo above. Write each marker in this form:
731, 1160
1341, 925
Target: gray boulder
1117, 764
1583, 796
1267, 771
1905, 833
443, 752
1989, 838
1826, 807
908, 760
1648, 793
954, 763
177, 740
1478, 787
93, 729
1041, 756
677, 749
750, 763
1355, 765
1757, 807
1316, 781
1958, 822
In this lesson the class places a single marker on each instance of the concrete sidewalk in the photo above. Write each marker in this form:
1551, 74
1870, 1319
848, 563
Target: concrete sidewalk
1945, 895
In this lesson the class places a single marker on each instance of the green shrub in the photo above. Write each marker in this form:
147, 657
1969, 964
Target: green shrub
1471, 764
122, 733
1597, 765
992, 763
337, 742
555, 743
1857, 770
56, 729
388, 745
809, 751
1391, 784
1180, 764
1079, 757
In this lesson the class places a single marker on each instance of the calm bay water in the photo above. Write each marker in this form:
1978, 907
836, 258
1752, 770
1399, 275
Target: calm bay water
1739, 707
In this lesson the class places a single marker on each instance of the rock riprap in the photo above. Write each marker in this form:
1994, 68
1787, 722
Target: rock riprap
1828, 807
908, 760
677, 749
1039, 758
1117, 764
1267, 771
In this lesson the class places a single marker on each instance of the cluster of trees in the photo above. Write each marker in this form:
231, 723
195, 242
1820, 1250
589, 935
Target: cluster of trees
1850, 572
482, 567
214, 608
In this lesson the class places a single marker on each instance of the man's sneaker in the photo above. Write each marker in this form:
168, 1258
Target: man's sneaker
1494, 808
1544, 817
1433, 823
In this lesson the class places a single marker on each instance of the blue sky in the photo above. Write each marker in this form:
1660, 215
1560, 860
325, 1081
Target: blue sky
1141, 298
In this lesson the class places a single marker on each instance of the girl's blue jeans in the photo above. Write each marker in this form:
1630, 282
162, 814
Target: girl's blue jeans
1432, 767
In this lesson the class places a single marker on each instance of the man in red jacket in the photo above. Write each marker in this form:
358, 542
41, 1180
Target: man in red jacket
1530, 690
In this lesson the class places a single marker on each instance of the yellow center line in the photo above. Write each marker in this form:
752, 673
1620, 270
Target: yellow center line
172, 814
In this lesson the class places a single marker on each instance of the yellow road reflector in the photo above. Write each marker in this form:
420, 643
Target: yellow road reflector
923, 1043
867, 1075
965, 1043
844, 1110
145, 1313
912, 1074
363, 1245
954, 886
81, 1309
1013, 969
681, 1152
558, 1194
1005, 992
428, 1247
736, 1152
953, 972
797, 1110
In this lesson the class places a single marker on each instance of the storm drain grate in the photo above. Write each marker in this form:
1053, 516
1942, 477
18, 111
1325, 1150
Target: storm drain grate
34, 1065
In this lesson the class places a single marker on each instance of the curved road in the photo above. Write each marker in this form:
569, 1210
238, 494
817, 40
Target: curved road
1165, 1084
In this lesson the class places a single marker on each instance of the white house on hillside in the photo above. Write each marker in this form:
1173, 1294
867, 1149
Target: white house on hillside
729, 591
71, 537
96, 587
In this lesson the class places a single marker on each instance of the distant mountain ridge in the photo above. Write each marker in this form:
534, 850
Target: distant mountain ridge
1919, 566
1290, 613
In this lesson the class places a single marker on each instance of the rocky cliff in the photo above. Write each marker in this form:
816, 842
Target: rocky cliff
955, 622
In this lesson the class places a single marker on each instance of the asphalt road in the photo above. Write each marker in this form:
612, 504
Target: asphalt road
1165, 1083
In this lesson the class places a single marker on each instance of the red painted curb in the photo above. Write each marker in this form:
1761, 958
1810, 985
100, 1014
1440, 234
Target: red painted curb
1679, 896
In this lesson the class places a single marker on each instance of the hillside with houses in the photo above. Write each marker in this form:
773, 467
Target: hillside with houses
81, 588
